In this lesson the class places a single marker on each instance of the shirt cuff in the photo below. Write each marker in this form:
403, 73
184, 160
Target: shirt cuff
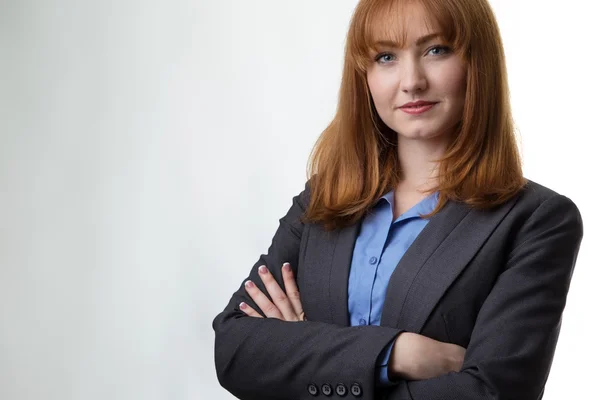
381, 366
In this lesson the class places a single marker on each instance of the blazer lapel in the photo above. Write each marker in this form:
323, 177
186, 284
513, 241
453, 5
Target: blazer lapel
434, 233
396, 311
325, 272
340, 273
435, 259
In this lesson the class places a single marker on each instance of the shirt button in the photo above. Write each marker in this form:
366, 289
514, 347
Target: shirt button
373, 260
362, 321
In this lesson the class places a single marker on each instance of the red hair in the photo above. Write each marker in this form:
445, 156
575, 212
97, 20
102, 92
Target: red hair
355, 160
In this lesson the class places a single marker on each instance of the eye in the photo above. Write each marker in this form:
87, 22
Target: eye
439, 50
383, 58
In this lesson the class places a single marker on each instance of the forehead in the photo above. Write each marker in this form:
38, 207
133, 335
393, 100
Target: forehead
401, 24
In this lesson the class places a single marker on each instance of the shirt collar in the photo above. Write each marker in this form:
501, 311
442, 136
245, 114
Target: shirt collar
425, 206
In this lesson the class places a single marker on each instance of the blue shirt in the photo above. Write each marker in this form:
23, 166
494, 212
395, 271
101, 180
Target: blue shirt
379, 247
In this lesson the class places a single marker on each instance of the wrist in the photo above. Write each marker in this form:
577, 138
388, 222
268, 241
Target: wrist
398, 365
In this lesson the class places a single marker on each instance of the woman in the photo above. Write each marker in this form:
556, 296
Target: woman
418, 263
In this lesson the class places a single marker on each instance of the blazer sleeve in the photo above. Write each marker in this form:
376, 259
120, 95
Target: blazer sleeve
513, 341
267, 358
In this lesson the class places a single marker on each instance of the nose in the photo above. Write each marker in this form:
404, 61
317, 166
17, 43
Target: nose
412, 78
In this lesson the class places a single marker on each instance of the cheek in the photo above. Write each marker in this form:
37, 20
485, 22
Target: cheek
456, 83
379, 89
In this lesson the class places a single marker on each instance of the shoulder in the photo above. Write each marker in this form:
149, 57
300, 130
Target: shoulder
539, 210
536, 193
534, 196
303, 198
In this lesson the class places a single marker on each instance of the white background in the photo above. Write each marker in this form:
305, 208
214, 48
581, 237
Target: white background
148, 149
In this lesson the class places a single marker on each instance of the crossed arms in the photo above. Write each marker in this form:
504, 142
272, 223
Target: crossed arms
509, 355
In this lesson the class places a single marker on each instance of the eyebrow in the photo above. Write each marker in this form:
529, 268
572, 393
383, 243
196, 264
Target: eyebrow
418, 42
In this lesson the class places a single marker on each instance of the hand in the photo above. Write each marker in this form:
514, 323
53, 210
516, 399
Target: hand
287, 305
417, 357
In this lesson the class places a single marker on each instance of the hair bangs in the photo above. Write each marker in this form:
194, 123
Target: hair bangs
385, 21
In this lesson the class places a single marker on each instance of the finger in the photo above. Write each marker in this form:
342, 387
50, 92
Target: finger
279, 297
291, 289
251, 312
262, 301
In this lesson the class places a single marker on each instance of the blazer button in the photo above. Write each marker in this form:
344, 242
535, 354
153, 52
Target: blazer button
313, 390
341, 390
356, 390
327, 389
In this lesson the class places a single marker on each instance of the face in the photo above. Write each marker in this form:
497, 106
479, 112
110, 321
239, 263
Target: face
425, 69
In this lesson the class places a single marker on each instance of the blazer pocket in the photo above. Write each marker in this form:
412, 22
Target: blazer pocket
459, 322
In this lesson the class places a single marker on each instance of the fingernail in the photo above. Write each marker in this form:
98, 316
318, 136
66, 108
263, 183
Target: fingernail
249, 284
243, 305
262, 269
286, 267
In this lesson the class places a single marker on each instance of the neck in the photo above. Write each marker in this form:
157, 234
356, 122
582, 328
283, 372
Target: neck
418, 162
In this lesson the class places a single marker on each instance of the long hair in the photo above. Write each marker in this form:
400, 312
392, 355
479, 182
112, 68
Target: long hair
355, 159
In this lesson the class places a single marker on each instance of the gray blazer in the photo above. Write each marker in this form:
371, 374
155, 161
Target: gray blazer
494, 282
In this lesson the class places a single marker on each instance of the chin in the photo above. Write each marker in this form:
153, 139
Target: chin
418, 134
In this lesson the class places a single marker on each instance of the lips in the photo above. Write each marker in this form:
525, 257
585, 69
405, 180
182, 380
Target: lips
417, 104
418, 109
